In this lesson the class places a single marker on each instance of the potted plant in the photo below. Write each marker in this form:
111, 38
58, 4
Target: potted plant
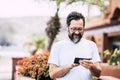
113, 58
112, 67
35, 66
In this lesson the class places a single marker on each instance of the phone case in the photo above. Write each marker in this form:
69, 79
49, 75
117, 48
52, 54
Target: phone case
76, 60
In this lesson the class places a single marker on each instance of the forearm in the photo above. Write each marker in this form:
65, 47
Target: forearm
95, 70
60, 71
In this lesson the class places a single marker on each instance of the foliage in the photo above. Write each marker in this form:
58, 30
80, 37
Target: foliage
35, 66
53, 26
113, 57
100, 3
106, 55
35, 44
95, 78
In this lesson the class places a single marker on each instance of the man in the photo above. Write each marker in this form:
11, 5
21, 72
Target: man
63, 53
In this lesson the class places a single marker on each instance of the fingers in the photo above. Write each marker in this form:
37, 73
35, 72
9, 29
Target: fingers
74, 65
86, 63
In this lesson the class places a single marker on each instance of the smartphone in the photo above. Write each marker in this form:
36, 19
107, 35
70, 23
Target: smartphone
76, 60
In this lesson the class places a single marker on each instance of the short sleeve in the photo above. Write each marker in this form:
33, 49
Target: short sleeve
95, 55
54, 55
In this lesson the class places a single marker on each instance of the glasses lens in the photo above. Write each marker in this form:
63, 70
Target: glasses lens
74, 29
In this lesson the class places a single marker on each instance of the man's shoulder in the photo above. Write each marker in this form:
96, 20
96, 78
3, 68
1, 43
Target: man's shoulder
88, 41
61, 42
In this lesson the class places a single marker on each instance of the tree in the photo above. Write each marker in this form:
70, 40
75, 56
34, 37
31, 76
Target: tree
54, 25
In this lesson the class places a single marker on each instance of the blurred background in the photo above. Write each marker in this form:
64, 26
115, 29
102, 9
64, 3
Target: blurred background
30, 26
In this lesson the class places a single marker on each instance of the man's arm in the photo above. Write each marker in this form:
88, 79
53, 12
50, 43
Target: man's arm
95, 68
56, 71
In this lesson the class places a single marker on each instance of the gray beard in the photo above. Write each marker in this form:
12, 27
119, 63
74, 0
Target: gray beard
75, 40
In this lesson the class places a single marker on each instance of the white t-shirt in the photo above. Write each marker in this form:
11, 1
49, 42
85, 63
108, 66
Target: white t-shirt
64, 52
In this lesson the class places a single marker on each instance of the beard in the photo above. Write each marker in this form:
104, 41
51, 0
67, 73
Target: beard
75, 37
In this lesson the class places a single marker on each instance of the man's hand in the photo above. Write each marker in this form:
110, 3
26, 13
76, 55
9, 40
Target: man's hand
56, 71
86, 63
95, 68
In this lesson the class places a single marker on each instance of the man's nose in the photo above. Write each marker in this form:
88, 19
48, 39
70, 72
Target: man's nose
76, 32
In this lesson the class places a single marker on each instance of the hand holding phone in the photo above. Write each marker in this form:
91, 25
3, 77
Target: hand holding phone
76, 60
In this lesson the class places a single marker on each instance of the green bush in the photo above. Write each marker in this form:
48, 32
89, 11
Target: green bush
113, 58
37, 43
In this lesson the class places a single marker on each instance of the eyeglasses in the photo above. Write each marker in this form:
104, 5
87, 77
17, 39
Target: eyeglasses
74, 29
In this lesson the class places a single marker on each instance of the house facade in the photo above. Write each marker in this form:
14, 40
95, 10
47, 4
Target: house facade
105, 32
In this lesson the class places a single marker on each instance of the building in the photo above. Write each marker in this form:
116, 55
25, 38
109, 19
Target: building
105, 31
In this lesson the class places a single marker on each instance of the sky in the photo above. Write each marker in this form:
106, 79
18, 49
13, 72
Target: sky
11, 8
20, 8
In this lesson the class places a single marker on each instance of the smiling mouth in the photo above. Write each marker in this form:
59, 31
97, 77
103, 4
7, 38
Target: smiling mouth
76, 36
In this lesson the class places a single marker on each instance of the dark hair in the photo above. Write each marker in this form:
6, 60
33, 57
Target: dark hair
75, 16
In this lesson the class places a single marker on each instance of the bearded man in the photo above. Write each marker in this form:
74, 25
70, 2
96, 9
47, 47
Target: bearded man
74, 58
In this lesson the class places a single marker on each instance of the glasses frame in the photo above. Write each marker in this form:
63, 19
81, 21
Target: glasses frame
74, 29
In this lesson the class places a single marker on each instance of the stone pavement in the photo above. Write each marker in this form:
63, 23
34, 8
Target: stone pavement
5, 68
